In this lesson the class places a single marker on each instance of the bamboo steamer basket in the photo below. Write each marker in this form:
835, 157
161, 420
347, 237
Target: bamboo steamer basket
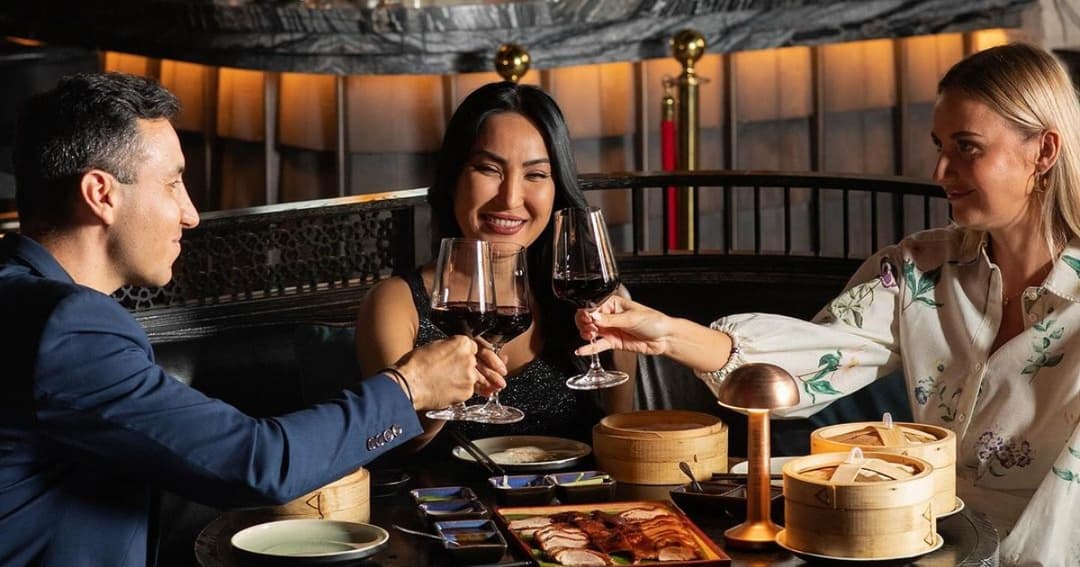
347, 499
879, 505
645, 447
936, 445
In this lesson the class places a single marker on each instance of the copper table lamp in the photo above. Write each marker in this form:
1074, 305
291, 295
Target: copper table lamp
756, 389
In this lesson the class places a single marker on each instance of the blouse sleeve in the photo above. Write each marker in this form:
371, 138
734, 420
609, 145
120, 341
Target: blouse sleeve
1049, 520
848, 344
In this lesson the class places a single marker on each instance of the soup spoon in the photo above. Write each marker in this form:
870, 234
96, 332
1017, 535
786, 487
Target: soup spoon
694, 484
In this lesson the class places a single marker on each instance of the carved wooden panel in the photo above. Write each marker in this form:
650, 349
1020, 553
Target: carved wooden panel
270, 252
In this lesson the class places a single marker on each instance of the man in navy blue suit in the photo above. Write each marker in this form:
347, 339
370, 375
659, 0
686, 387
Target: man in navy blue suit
89, 424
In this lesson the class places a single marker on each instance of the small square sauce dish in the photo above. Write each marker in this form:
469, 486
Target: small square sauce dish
442, 494
522, 490
460, 509
724, 501
582, 487
471, 541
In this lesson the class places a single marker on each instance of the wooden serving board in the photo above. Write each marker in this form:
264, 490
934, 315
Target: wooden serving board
710, 553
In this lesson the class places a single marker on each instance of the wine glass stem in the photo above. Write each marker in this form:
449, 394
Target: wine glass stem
493, 399
594, 363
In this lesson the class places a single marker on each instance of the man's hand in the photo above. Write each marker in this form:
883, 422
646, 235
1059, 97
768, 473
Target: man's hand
443, 372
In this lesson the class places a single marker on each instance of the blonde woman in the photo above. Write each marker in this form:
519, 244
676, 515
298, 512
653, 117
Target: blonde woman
983, 316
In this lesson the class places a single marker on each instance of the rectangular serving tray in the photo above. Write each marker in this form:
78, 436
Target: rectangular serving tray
711, 554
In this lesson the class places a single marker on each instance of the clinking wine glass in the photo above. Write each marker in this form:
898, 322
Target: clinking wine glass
512, 318
584, 273
462, 297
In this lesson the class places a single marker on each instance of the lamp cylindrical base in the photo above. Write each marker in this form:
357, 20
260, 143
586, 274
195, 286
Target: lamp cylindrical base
758, 530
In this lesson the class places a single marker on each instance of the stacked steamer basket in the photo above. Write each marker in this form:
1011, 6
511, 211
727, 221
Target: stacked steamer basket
347, 499
645, 447
935, 445
847, 506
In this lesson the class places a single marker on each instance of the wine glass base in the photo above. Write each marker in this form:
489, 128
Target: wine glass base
598, 380
497, 414
448, 414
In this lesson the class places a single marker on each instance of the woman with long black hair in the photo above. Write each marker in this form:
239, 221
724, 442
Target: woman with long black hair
505, 166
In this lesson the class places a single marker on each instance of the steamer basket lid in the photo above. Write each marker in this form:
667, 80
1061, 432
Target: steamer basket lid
648, 421
878, 435
841, 468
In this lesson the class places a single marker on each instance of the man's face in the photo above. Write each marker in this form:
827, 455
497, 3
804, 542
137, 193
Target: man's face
152, 212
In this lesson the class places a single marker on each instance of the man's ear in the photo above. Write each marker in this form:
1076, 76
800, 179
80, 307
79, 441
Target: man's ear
1049, 150
98, 195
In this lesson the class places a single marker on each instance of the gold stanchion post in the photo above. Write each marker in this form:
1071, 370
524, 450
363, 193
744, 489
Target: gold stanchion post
687, 46
512, 62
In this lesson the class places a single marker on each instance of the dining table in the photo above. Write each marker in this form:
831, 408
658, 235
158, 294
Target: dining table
970, 540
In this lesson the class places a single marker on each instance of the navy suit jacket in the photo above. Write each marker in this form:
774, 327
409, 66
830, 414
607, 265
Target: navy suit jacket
90, 425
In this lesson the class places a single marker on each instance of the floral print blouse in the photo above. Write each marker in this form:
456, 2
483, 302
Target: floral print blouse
932, 306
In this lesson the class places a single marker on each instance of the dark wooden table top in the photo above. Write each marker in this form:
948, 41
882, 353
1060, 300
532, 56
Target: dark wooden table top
970, 539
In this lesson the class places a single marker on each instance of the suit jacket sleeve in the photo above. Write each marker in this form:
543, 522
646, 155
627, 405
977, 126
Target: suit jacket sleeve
99, 394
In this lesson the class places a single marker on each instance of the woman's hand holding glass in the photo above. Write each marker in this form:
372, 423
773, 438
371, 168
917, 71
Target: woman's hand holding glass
626, 325
623, 324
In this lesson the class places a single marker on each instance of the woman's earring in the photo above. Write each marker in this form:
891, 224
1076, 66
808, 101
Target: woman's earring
1040, 182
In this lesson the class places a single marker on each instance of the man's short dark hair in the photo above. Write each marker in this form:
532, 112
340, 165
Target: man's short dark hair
89, 121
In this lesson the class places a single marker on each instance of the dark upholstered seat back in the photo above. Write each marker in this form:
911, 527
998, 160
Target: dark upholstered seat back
793, 288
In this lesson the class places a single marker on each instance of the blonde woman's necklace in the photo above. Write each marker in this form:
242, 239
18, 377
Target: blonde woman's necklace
1037, 278
1008, 299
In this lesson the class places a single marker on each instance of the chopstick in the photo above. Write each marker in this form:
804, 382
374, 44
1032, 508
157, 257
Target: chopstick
480, 456
738, 476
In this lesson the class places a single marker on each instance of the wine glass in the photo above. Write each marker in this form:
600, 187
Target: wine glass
584, 274
512, 317
462, 297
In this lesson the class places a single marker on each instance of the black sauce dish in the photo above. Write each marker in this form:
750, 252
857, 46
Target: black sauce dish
723, 501
471, 541
522, 490
582, 487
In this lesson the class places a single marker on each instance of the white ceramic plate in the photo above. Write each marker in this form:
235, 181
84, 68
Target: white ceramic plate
865, 562
958, 508
309, 542
528, 452
776, 466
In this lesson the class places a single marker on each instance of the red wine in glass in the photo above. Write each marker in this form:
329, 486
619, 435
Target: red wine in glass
462, 318
585, 291
509, 322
